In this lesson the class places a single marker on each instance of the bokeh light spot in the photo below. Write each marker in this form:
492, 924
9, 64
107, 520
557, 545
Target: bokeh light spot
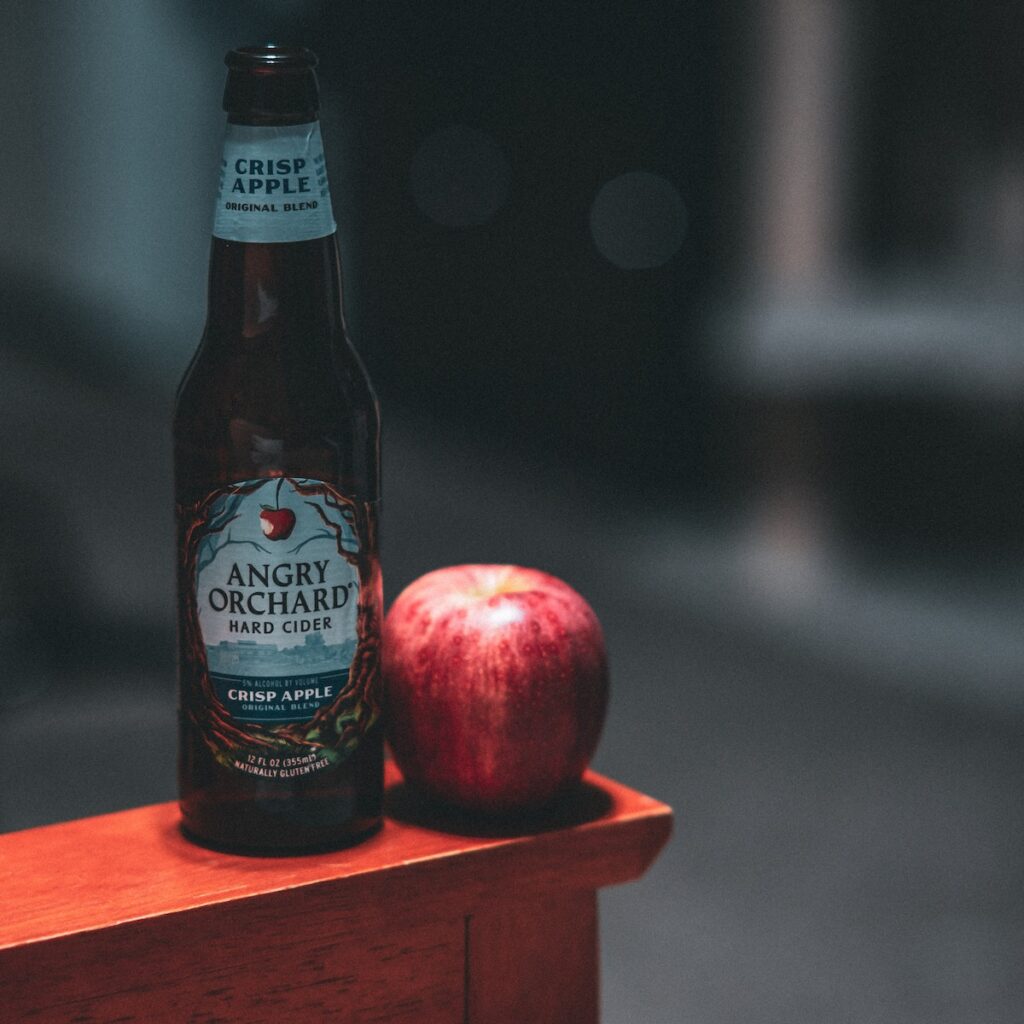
460, 177
638, 221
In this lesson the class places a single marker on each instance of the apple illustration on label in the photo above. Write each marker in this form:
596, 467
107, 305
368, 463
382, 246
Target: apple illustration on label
495, 686
276, 523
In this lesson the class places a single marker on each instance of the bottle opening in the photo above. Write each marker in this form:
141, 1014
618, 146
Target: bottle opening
271, 56
269, 81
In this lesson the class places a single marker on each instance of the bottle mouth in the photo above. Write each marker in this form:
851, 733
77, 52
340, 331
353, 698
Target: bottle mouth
271, 81
271, 57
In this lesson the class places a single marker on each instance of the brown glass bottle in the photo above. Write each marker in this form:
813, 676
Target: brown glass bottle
277, 478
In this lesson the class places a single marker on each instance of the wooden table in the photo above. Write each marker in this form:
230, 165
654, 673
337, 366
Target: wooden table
117, 918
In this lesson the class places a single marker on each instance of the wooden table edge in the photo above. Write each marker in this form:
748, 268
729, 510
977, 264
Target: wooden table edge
614, 848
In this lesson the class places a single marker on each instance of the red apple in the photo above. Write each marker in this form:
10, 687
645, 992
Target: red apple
276, 523
496, 685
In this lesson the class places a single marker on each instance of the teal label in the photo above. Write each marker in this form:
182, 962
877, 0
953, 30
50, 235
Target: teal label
273, 185
277, 593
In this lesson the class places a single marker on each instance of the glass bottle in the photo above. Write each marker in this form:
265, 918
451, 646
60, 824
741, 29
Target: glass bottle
277, 481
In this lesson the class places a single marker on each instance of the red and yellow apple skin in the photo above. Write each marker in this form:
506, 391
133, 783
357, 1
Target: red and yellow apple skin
496, 686
276, 523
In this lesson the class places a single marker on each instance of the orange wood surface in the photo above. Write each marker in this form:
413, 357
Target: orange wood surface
552, 942
119, 918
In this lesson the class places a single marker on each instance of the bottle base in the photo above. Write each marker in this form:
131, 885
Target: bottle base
359, 831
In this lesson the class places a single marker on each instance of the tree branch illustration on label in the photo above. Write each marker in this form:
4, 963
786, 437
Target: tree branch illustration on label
282, 629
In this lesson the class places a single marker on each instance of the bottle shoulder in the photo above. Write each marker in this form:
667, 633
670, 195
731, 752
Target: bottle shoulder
279, 379
247, 410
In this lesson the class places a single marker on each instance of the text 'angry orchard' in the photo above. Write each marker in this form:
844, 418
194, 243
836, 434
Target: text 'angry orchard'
281, 589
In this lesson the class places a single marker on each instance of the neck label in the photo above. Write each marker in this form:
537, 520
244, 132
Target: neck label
273, 185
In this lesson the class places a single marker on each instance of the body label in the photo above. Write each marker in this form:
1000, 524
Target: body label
280, 631
273, 185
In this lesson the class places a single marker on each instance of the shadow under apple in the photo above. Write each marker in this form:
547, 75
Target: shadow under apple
582, 803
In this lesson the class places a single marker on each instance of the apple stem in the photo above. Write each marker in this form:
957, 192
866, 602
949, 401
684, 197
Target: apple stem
277, 493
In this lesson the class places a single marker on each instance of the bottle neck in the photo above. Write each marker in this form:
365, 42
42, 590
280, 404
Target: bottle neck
273, 183
268, 291
274, 258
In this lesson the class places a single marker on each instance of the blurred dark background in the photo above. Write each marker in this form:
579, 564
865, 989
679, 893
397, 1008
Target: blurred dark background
716, 311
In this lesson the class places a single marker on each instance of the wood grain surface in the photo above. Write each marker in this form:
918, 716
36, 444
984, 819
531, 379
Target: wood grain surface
118, 918
551, 942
